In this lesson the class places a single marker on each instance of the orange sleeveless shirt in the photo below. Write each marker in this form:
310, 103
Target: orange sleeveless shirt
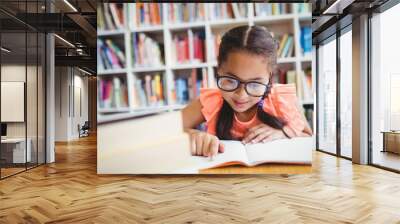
281, 102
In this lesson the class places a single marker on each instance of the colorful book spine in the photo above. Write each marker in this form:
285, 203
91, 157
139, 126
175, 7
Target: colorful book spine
148, 14
146, 51
186, 12
306, 39
189, 48
112, 93
148, 91
110, 16
111, 56
188, 84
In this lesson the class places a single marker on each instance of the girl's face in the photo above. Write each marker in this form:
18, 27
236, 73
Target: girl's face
244, 67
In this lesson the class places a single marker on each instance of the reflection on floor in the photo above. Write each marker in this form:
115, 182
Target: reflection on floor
386, 159
10, 169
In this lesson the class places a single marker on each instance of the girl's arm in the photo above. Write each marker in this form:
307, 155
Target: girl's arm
192, 116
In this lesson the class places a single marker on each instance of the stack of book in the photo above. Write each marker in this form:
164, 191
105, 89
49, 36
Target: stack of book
148, 14
148, 91
110, 16
112, 93
146, 51
306, 40
286, 46
227, 11
271, 9
187, 86
186, 12
110, 56
188, 47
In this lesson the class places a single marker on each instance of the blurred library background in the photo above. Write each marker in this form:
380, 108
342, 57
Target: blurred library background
155, 57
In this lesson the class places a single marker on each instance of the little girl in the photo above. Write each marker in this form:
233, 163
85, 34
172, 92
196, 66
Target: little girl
246, 106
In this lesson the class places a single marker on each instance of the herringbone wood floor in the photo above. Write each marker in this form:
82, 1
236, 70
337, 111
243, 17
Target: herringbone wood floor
70, 191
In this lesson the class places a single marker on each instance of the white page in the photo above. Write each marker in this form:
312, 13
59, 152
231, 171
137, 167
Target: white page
234, 151
295, 150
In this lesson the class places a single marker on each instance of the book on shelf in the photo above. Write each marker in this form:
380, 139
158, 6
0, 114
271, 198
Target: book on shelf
309, 114
148, 14
188, 47
302, 7
220, 11
148, 91
146, 51
111, 56
112, 93
306, 40
279, 76
286, 46
303, 82
110, 16
214, 49
186, 12
271, 9
187, 86
307, 87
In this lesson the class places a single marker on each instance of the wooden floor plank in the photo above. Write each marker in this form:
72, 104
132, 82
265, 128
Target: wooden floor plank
70, 191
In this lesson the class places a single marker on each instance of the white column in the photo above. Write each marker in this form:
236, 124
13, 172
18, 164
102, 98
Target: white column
50, 100
360, 90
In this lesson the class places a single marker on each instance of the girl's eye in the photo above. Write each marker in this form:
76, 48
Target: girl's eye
228, 83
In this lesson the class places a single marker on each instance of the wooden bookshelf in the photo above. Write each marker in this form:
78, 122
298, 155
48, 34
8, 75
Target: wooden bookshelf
164, 32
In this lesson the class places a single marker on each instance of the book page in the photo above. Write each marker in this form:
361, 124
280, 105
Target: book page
295, 151
234, 152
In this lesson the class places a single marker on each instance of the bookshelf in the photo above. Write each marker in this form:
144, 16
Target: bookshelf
171, 65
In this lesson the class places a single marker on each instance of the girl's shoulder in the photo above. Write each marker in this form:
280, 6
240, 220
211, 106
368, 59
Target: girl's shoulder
282, 100
211, 101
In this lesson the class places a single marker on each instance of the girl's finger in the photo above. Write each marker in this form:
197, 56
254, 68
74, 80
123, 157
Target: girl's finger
214, 146
199, 144
221, 147
206, 145
193, 144
261, 137
274, 136
250, 132
255, 133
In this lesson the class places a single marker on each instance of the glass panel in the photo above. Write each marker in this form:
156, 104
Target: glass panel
41, 99
31, 100
327, 97
385, 84
13, 86
346, 94
32, 88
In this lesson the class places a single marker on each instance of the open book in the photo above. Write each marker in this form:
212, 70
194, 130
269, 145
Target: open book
286, 151
157, 145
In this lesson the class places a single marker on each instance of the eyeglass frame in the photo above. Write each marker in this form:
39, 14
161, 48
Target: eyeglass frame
267, 89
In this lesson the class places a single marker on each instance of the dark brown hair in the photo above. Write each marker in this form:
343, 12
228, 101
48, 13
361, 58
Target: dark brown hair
254, 40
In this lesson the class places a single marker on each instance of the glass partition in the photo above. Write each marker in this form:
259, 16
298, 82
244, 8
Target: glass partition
327, 96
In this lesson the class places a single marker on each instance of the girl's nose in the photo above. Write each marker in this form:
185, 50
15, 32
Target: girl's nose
241, 90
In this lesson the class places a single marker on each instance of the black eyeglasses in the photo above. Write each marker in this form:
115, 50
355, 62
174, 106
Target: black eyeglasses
253, 88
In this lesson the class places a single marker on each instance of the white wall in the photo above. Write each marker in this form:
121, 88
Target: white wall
71, 87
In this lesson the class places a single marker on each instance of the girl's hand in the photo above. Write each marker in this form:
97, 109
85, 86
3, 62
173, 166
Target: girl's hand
262, 133
204, 144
